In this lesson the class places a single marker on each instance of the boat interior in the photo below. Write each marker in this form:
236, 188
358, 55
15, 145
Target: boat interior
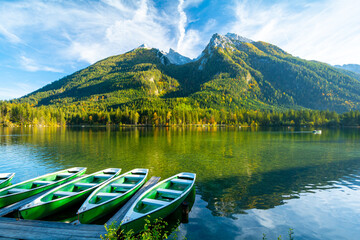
166, 193
41, 182
4, 176
82, 185
119, 186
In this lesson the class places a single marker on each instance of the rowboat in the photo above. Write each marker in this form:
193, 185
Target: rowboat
111, 195
5, 179
67, 194
159, 201
20, 191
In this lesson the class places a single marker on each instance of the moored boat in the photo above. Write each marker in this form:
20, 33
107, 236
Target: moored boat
22, 190
110, 196
159, 201
67, 194
317, 131
5, 179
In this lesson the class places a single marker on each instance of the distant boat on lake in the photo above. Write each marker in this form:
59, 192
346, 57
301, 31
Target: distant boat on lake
317, 132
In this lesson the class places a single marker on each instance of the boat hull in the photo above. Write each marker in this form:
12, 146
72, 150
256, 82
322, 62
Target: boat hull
138, 224
98, 212
158, 202
7, 181
8, 200
43, 207
44, 210
91, 211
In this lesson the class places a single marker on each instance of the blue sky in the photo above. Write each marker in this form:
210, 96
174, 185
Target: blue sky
42, 41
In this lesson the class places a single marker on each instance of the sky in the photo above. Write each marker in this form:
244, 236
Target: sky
42, 41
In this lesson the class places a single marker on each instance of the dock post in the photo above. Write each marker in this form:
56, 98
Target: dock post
185, 212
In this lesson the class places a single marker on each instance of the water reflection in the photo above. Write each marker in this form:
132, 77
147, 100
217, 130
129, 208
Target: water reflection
238, 170
234, 195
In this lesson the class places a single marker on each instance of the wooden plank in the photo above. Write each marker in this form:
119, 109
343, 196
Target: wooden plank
47, 224
32, 235
118, 217
33, 232
52, 229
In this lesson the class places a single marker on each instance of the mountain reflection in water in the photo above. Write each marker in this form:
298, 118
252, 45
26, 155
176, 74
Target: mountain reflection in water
249, 181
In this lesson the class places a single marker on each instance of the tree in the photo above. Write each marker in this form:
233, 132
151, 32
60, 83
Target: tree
136, 118
168, 116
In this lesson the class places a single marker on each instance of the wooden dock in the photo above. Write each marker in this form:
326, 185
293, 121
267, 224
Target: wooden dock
11, 228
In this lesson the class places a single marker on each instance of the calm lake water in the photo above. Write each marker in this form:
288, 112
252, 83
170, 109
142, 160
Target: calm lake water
249, 182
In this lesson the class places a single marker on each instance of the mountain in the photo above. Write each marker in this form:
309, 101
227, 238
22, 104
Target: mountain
176, 58
350, 67
232, 72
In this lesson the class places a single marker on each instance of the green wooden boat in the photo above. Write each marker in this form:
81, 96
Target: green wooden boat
5, 179
20, 191
112, 195
67, 194
159, 201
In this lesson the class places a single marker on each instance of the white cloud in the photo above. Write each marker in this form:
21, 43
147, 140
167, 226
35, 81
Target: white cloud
192, 3
73, 31
128, 27
327, 31
87, 32
9, 36
181, 24
31, 66
190, 42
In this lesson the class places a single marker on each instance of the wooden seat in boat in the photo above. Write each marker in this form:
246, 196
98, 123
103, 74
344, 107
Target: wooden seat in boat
64, 194
104, 194
111, 171
64, 175
134, 176
122, 185
181, 181
169, 191
84, 185
154, 202
186, 176
42, 183
17, 190
103, 176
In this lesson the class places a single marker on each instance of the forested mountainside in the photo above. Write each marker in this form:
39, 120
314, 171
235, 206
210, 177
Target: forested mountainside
231, 73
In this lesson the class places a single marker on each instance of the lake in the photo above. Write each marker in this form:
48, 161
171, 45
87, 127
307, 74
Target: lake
249, 181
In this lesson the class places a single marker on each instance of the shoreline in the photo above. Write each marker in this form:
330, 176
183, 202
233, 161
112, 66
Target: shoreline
172, 125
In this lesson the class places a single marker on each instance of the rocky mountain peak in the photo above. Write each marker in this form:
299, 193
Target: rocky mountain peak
176, 58
144, 46
235, 37
226, 41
